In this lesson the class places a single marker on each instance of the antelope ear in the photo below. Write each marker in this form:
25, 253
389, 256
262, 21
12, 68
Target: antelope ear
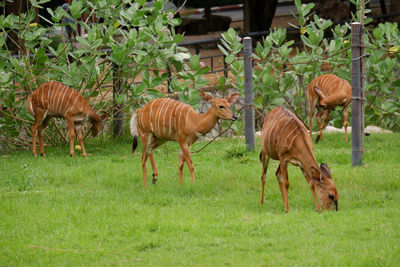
232, 98
318, 92
325, 170
206, 97
316, 175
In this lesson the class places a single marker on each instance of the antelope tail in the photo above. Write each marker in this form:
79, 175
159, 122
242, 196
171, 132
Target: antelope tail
134, 131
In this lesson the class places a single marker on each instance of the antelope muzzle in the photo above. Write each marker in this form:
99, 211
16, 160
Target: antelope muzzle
234, 117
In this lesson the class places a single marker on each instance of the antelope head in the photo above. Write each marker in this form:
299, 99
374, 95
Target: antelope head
221, 106
326, 189
96, 125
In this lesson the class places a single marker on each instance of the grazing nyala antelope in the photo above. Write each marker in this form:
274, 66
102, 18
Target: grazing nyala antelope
165, 119
326, 92
54, 99
284, 137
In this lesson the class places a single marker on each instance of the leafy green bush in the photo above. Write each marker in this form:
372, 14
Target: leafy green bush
130, 40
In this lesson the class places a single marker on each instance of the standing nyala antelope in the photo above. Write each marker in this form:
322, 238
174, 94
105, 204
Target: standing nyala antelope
164, 119
284, 137
326, 92
54, 99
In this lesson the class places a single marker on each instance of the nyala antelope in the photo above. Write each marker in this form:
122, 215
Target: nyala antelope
54, 99
165, 119
284, 137
326, 92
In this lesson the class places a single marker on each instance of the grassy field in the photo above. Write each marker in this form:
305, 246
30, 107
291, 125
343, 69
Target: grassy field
64, 211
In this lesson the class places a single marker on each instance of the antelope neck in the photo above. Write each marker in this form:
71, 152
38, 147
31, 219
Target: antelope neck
206, 121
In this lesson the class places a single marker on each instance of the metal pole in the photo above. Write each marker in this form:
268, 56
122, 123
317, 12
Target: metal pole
357, 95
118, 108
248, 94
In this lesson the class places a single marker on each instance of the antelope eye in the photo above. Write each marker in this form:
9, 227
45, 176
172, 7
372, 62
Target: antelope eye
221, 106
331, 197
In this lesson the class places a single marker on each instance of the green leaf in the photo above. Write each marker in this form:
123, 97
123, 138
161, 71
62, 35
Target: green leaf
229, 58
396, 83
141, 2
222, 81
83, 41
158, 5
139, 88
194, 62
120, 99
178, 38
202, 71
223, 50
181, 56
338, 123
306, 41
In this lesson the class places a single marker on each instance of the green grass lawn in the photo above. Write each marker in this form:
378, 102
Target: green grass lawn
94, 211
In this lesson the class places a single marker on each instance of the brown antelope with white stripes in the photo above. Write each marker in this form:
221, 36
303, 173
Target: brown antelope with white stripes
165, 119
284, 137
326, 92
54, 99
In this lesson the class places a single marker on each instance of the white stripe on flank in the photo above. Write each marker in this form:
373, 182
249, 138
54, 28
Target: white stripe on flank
290, 145
60, 100
187, 116
42, 96
48, 96
280, 132
170, 116
65, 105
53, 102
160, 109
165, 112
180, 105
179, 118
76, 98
287, 136
272, 128
151, 110
53, 97
155, 116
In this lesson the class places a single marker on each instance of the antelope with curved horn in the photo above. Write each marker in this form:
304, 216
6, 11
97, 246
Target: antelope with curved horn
326, 92
54, 99
165, 119
284, 137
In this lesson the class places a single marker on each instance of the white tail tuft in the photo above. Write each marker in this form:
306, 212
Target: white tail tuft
29, 105
133, 125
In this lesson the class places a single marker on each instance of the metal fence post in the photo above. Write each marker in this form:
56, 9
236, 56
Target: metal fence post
357, 107
248, 94
118, 108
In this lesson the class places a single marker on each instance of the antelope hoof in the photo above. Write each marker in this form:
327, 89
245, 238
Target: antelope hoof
33, 154
154, 179
72, 155
317, 139
42, 154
